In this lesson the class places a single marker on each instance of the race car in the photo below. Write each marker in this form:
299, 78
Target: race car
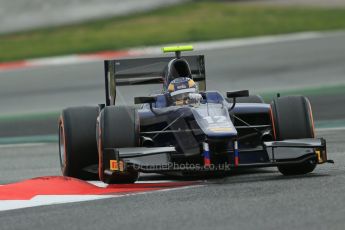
184, 129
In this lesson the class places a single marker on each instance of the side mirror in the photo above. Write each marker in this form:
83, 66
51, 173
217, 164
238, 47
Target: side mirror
238, 93
144, 100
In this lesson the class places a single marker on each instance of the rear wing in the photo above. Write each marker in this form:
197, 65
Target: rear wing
146, 71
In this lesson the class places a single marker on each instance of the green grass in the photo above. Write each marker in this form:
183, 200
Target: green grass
202, 20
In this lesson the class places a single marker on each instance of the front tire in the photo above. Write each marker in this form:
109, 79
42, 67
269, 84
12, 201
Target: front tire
118, 127
292, 119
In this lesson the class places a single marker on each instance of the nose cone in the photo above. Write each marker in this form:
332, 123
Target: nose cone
215, 121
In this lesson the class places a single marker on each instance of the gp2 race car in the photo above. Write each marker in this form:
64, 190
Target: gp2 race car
200, 132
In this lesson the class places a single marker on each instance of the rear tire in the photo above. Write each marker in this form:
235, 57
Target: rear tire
118, 127
77, 141
292, 119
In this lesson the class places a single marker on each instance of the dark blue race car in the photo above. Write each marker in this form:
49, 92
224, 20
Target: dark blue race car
185, 129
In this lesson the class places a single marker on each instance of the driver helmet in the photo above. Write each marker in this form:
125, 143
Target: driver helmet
180, 88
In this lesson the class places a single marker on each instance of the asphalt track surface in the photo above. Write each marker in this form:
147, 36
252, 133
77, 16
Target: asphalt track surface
252, 199
256, 199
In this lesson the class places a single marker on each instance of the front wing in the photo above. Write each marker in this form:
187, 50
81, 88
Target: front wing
158, 159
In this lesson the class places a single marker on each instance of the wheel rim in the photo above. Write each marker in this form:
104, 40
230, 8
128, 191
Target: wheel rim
62, 148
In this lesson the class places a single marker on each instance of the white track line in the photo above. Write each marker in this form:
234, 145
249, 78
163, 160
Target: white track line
232, 43
103, 185
43, 200
59, 60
